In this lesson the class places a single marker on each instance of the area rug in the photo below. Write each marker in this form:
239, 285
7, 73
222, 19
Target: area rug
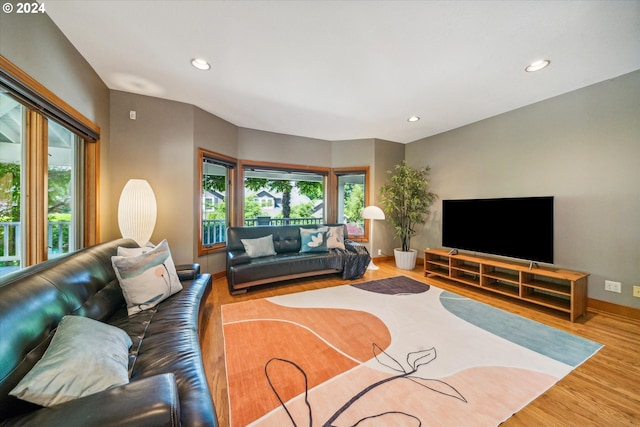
391, 352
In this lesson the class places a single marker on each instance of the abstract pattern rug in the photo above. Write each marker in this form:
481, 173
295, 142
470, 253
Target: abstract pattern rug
391, 352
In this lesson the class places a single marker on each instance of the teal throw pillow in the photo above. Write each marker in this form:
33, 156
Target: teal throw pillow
313, 240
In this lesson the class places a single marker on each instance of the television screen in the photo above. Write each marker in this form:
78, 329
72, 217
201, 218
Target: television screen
512, 227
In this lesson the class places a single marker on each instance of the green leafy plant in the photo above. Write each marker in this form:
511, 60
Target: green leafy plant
406, 199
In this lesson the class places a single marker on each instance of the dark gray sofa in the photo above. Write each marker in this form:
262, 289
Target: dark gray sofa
167, 384
244, 272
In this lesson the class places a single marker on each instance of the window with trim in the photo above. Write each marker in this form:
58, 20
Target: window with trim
216, 173
65, 189
48, 152
351, 196
278, 194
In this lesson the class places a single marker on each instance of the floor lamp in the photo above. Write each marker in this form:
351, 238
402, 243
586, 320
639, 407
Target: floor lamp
137, 211
372, 213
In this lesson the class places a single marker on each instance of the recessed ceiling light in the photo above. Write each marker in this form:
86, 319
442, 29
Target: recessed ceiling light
200, 64
537, 65
413, 119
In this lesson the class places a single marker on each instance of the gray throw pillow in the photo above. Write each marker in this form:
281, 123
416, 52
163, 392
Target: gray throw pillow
84, 357
262, 246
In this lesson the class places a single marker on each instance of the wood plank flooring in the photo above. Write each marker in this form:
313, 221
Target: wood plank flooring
603, 391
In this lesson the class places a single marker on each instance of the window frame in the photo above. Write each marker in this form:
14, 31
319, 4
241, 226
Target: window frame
42, 105
230, 202
355, 170
325, 172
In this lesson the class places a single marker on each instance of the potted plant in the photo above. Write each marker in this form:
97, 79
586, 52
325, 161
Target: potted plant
406, 200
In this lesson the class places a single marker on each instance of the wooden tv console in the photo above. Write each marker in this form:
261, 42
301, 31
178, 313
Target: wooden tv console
559, 289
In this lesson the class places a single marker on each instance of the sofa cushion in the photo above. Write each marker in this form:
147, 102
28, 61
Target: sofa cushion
286, 264
148, 278
85, 356
259, 247
313, 240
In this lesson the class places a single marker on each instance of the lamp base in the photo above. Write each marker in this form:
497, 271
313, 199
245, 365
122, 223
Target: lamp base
372, 266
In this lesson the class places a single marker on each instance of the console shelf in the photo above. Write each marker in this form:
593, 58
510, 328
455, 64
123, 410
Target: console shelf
559, 289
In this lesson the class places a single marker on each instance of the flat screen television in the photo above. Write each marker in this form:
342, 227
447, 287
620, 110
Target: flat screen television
519, 227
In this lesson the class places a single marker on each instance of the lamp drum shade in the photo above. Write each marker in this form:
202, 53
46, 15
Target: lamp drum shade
137, 211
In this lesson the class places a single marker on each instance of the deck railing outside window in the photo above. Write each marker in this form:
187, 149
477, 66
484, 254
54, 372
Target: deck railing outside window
11, 244
215, 231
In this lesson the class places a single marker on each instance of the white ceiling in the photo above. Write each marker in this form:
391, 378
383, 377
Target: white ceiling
338, 70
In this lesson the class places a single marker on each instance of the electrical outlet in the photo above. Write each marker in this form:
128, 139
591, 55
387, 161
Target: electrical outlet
612, 286
379, 251
636, 291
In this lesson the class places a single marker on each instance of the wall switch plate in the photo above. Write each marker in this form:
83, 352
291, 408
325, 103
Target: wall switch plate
612, 286
636, 291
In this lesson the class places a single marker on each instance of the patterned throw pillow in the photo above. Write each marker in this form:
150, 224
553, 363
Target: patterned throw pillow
148, 278
313, 240
335, 237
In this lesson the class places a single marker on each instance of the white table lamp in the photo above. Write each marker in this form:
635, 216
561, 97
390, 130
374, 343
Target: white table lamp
371, 213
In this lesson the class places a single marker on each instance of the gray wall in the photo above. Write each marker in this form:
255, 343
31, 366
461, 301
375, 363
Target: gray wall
582, 147
278, 148
161, 147
158, 147
388, 155
217, 135
36, 45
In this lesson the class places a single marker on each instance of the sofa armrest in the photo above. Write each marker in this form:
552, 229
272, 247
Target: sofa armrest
187, 271
151, 402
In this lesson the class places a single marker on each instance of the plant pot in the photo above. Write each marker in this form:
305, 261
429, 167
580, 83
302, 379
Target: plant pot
405, 260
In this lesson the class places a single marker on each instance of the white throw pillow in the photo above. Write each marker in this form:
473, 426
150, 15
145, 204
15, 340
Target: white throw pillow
84, 357
335, 237
148, 278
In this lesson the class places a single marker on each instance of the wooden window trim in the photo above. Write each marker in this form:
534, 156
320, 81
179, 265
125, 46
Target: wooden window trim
231, 203
10, 71
36, 167
335, 172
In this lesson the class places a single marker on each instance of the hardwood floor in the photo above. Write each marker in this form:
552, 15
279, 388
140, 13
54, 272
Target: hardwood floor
603, 391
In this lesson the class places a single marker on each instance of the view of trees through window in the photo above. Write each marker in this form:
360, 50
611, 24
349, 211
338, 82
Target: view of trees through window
216, 178
12, 129
281, 198
61, 185
351, 200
